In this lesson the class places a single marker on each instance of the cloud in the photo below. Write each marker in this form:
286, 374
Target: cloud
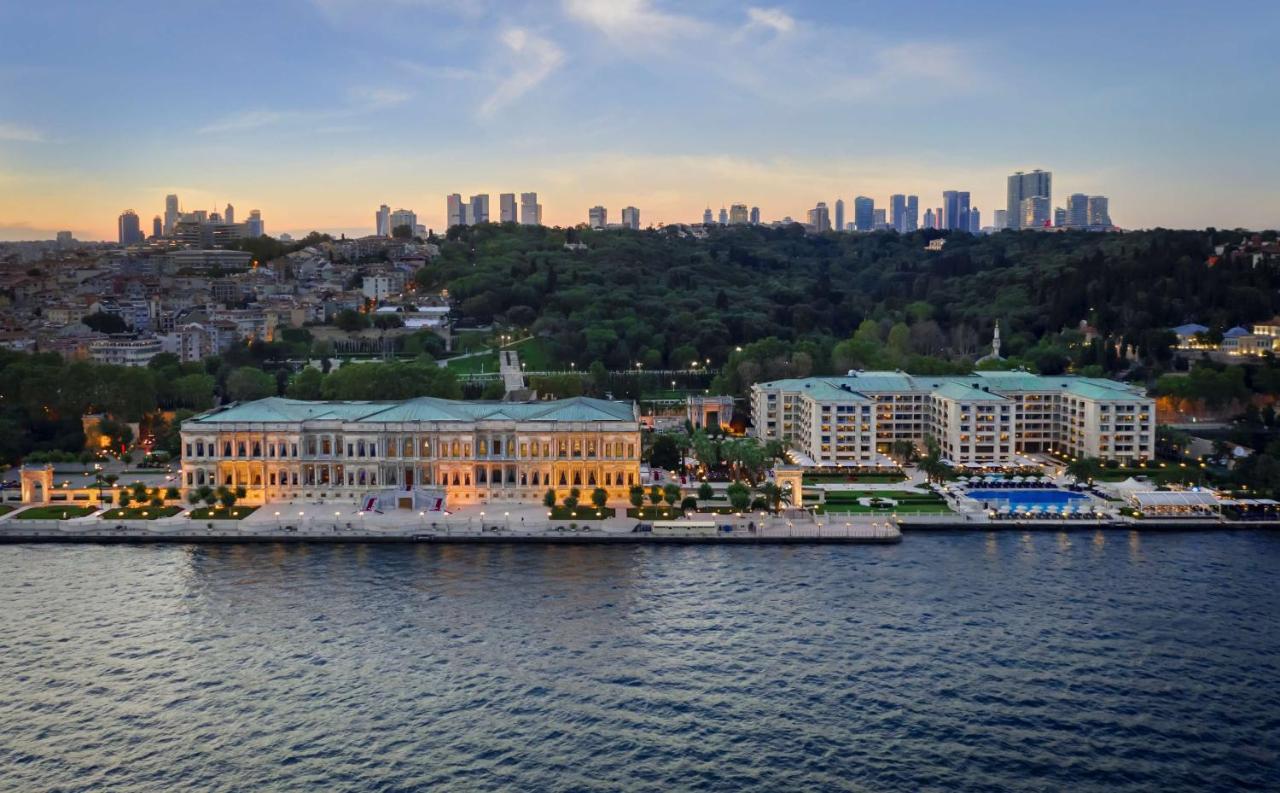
536, 58
630, 21
19, 133
376, 98
245, 120
21, 230
773, 18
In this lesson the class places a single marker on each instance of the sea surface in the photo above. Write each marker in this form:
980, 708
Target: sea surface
1043, 661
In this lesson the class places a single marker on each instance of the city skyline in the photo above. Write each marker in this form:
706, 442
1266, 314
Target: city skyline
497, 98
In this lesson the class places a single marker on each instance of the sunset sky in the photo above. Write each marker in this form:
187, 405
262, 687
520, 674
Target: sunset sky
317, 111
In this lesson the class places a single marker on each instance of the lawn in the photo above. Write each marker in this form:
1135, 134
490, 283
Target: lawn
474, 365
866, 479
5, 510
140, 513
846, 502
534, 355
54, 512
580, 512
221, 513
904, 508
854, 495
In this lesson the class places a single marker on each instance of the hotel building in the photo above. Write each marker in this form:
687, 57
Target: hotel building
979, 419
472, 452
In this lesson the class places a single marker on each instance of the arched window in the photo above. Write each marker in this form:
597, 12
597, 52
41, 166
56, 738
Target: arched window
591, 478
257, 448
577, 477
257, 480
226, 449
563, 482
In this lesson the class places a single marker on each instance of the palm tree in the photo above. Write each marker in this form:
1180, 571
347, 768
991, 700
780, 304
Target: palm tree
903, 451
935, 470
1083, 469
774, 495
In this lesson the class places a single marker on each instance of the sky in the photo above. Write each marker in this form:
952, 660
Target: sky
317, 111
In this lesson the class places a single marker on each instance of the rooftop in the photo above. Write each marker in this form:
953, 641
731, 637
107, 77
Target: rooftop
280, 410
984, 386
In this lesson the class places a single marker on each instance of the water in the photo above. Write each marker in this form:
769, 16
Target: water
1026, 498
1081, 660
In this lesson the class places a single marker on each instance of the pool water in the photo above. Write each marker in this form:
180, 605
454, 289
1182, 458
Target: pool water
1027, 498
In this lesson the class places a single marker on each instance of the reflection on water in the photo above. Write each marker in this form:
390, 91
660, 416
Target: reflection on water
957, 661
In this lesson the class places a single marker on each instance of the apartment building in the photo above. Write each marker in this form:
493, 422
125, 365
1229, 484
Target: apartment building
979, 419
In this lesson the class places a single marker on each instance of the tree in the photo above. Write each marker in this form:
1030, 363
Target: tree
172, 493
571, 500
655, 495
671, 493
305, 384
247, 384
1083, 469
402, 232
226, 497
350, 320
665, 452
739, 496
904, 451
599, 497
123, 498
773, 495
105, 323
935, 470
705, 491
549, 498
636, 496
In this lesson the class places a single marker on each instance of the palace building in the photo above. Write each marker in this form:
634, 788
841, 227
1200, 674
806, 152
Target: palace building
979, 419
469, 452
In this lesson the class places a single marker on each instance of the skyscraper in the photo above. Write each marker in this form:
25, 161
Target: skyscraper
229, 216
404, 217
955, 210
1000, 220
820, 218
864, 213
898, 211
879, 220
724, 216
839, 214
1023, 186
382, 221
254, 227
530, 209
1059, 217
1099, 213
597, 217
913, 214
157, 227
507, 207
631, 218
1034, 212
706, 217
171, 213
479, 209
975, 221
453, 204
1077, 210
755, 216
128, 228
929, 222
738, 215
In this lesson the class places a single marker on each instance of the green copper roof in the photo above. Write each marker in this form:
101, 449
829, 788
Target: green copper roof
979, 385
279, 410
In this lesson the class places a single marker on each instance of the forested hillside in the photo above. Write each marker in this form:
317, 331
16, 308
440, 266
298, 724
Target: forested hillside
665, 298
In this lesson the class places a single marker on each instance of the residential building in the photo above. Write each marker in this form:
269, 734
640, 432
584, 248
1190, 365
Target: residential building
254, 227
1059, 217
597, 217
879, 220
479, 209
929, 221
755, 216
530, 209
1099, 213
456, 216
1035, 213
724, 216
1077, 211
382, 221
405, 453
913, 214
507, 207
738, 215
125, 352
229, 215
1000, 221
819, 218
631, 218
403, 217
839, 220
864, 213
157, 227
128, 227
377, 287
984, 418
1022, 186
898, 212
975, 220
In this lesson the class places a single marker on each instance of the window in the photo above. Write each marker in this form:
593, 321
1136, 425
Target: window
257, 448
240, 449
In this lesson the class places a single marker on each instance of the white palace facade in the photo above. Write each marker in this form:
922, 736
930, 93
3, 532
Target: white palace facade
471, 452
985, 418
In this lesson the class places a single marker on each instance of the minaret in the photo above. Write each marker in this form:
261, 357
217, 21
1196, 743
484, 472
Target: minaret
995, 341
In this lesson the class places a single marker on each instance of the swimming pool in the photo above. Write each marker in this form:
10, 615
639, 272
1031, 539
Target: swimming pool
1027, 498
